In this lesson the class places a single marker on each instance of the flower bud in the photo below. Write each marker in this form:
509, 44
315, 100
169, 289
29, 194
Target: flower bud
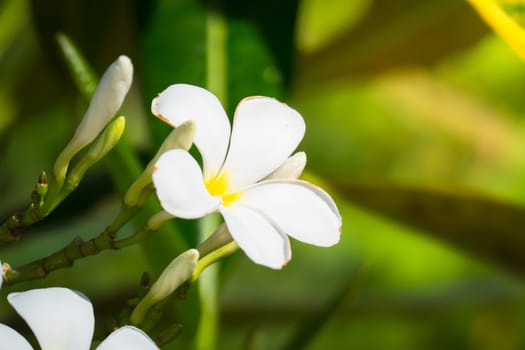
292, 168
218, 239
173, 276
40, 191
106, 101
105, 143
180, 138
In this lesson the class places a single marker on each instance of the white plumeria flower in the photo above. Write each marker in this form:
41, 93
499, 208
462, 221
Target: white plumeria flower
63, 319
258, 212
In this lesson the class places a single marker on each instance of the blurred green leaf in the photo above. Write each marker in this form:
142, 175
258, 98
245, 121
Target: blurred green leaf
411, 126
506, 17
505, 90
481, 226
173, 51
515, 9
260, 47
101, 32
80, 70
8, 108
259, 41
321, 21
393, 34
13, 19
309, 328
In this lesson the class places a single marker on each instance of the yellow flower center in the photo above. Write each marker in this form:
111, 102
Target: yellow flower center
218, 186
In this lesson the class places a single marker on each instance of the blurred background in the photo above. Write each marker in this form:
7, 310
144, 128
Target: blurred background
415, 124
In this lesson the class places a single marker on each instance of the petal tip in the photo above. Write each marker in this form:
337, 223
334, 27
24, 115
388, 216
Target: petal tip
124, 60
156, 113
164, 119
285, 263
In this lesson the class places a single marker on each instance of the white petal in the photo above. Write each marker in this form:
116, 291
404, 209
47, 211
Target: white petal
292, 168
298, 208
127, 338
107, 99
60, 318
182, 102
257, 236
180, 188
265, 133
11, 340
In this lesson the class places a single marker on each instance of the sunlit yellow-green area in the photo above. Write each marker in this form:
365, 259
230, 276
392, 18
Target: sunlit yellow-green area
415, 114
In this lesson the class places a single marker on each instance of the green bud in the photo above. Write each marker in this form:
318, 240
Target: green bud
173, 276
42, 178
105, 143
40, 191
106, 101
216, 240
169, 334
180, 138
158, 219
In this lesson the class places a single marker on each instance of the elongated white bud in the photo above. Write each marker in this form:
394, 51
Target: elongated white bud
106, 101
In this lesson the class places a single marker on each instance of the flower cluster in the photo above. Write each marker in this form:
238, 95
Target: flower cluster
248, 174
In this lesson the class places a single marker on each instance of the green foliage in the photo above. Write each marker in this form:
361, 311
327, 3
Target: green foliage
415, 93
487, 228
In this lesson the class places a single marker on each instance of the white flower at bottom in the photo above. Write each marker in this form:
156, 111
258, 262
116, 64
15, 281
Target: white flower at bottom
63, 319
259, 212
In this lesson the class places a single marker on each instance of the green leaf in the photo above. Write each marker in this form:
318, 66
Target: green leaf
81, 72
397, 129
13, 19
506, 17
309, 328
393, 34
173, 51
259, 47
484, 227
